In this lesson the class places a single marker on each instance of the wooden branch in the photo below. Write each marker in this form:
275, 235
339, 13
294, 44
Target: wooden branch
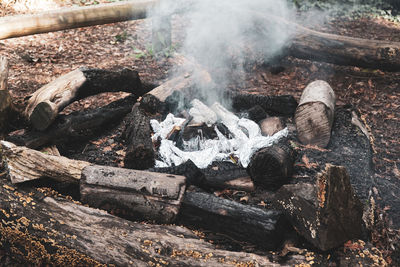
46, 102
6, 105
140, 152
46, 231
327, 212
133, 194
75, 17
77, 126
23, 164
315, 113
262, 227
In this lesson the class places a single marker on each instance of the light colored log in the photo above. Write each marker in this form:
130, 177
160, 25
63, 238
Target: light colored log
23, 164
132, 193
75, 17
315, 113
271, 126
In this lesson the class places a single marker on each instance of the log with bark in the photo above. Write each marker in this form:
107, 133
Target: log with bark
263, 227
40, 230
271, 167
133, 194
45, 103
23, 164
77, 126
140, 151
315, 113
6, 104
75, 17
326, 212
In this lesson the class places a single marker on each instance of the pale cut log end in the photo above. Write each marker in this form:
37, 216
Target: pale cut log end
43, 115
313, 124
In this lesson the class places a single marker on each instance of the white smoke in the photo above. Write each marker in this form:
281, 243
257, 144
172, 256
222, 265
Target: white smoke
223, 36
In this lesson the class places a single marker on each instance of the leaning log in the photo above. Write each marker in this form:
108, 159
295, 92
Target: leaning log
23, 164
133, 194
315, 113
140, 153
6, 105
41, 231
77, 126
271, 167
262, 227
45, 103
76, 17
326, 212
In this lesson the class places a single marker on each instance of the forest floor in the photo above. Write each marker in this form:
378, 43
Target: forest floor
36, 60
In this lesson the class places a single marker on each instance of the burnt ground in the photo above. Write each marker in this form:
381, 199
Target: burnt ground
374, 94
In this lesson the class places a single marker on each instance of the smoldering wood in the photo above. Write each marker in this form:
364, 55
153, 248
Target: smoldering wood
77, 126
326, 212
75, 17
24, 164
256, 113
133, 194
140, 151
243, 222
6, 104
271, 125
315, 113
45, 103
41, 230
284, 105
271, 167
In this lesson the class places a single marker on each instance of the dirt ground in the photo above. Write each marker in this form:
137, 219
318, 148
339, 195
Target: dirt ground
38, 59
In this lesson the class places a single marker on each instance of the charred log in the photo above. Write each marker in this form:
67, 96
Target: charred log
271, 167
262, 227
327, 213
133, 194
140, 152
284, 105
44, 105
315, 113
257, 113
77, 126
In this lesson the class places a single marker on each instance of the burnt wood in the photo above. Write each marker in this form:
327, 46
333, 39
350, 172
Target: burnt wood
262, 227
284, 105
133, 194
271, 167
45, 103
326, 212
256, 113
140, 152
41, 230
77, 126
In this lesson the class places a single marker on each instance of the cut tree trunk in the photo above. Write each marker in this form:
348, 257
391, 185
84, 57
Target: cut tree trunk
6, 105
263, 227
271, 167
326, 212
140, 151
284, 105
315, 113
45, 103
133, 194
76, 17
77, 126
23, 164
44, 231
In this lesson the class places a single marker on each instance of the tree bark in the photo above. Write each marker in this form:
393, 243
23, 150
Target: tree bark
76, 17
41, 230
262, 227
140, 152
23, 164
46, 102
327, 212
6, 105
77, 126
133, 194
271, 167
315, 113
